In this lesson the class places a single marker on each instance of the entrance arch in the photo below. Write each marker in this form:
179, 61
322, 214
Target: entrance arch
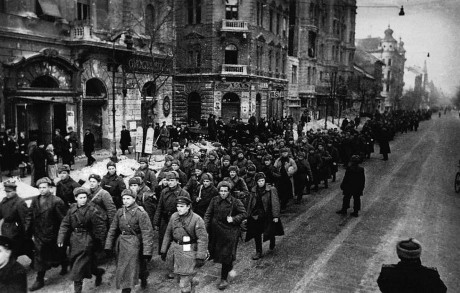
231, 106
194, 107
96, 94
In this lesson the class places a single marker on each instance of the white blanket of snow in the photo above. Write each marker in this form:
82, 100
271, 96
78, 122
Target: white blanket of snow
23, 190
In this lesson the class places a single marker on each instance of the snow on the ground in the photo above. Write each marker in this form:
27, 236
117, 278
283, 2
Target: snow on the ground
319, 124
23, 190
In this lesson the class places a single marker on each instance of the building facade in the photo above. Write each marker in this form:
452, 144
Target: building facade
82, 63
393, 55
231, 59
322, 37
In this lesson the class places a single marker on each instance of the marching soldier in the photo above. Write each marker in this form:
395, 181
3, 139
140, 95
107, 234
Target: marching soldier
113, 183
101, 199
66, 185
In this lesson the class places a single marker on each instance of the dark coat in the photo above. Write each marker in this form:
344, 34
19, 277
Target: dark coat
166, 207
302, 176
410, 278
150, 179
223, 236
58, 142
114, 184
88, 143
46, 220
39, 160
84, 229
201, 198
146, 199
104, 203
135, 238
16, 225
125, 139
239, 190
64, 190
384, 142
353, 181
271, 205
67, 155
13, 277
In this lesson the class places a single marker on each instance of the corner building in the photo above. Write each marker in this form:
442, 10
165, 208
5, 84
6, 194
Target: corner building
231, 59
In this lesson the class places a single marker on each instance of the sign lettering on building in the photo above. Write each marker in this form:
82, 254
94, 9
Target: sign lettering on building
146, 64
235, 86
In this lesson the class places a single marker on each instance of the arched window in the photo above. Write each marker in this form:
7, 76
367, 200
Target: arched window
45, 81
231, 54
149, 20
95, 88
149, 89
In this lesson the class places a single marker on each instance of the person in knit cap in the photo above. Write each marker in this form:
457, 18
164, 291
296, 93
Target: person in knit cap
66, 185
239, 190
202, 195
187, 163
175, 165
166, 168
409, 275
226, 161
101, 199
195, 179
113, 183
176, 153
150, 179
144, 196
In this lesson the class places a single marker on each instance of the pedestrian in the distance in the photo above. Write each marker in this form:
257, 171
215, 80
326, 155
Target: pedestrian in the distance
84, 229
13, 276
38, 158
409, 275
223, 219
125, 140
164, 138
88, 146
352, 185
186, 240
134, 245
51, 162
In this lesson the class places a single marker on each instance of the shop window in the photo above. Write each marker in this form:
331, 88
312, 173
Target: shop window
277, 61
311, 44
231, 9
231, 54
95, 88
149, 20
45, 81
83, 9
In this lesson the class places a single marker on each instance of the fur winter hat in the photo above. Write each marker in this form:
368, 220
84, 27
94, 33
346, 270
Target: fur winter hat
409, 249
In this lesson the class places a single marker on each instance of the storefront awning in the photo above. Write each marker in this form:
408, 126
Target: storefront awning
61, 100
50, 8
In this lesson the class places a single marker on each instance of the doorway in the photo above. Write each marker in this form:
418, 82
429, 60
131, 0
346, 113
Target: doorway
230, 106
194, 107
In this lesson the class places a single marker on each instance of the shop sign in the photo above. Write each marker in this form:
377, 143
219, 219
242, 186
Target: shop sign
166, 106
145, 64
263, 85
233, 86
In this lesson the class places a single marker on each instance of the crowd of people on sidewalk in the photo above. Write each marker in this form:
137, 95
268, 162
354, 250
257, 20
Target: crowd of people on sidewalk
198, 206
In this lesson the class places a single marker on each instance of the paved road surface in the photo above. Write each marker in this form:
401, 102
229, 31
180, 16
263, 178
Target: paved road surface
411, 195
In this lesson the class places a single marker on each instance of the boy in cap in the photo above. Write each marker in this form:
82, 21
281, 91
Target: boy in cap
66, 185
101, 199
409, 275
187, 243
84, 229
134, 244
150, 179
13, 276
16, 225
176, 153
47, 211
113, 183
144, 196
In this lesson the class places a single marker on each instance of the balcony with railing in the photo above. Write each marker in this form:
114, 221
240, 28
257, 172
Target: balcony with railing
232, 25
234, 69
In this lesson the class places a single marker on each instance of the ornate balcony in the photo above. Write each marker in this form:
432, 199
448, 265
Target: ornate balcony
234, 69
232, 25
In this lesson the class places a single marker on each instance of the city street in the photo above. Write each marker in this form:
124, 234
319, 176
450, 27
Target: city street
411, 195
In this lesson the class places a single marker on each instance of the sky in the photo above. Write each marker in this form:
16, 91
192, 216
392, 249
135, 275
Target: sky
429, 26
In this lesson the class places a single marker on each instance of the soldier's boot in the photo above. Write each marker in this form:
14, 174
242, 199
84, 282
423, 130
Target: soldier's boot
39, 282
144, 282
64, 270
78, 286
99, 273
222, 285
126, 290
342, 211
355, 214
257, 256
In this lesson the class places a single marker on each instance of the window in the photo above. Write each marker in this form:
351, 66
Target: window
389, 62
270, 60
271, 21
231, 54
389, 76
149, 20
194, 11
311, 44
2, 6
259, 54
83, 9
277, 61
283, 68
308, 75
231, 9
278, 23
294, 73
321, 76
194, 56
258, 8
284, 26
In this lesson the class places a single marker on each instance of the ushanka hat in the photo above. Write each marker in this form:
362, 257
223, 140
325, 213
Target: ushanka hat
111, 164
172, 175
128, 192
94, 176
259, 176
80, 190
43, 180
134, 180
233, 168
9, 186
409, 249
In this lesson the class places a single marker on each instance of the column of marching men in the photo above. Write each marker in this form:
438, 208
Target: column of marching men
197, 206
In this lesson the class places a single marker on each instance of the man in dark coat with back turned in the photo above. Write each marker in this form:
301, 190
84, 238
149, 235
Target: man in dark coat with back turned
48, 211
352, 186
409, 275
125, 140
88, 146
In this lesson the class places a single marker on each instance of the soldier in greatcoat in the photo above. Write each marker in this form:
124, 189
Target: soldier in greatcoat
84, 229
144, 196
222, 219
134, 245
167, 206
66, 185
101, 199
48, 211
352, 185
186, 240
263, 215
16, 221
113, 183
150, 179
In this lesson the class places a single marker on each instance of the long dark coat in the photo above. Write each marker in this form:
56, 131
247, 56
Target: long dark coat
64, 190
146, 199
114, 184
46, 220
325, 165
13, 277
353, 181
384, 142
88, 143
223, 236
16, 225
302, 176
410, 278
135, 238
201, 198
150, 179
271, 205
104, 203
67, 155
83, 243
10, 154
39, 160
166, 207
125, 139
